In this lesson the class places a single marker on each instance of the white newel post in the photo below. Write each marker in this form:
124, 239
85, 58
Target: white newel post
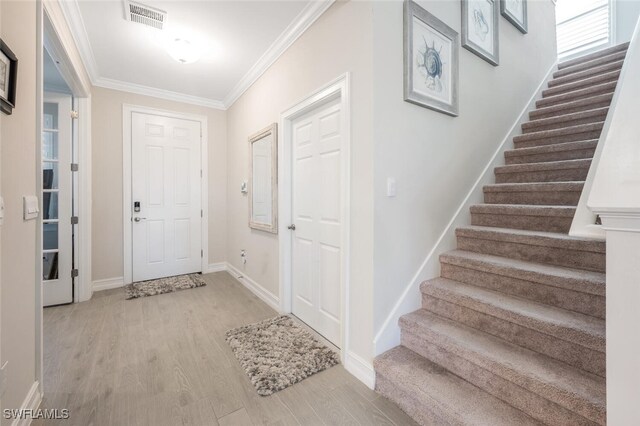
615, 196
623, 317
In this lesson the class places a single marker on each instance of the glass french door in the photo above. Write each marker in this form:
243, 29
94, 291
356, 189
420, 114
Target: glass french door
57, 191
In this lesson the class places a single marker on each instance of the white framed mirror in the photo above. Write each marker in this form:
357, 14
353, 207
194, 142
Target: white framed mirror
263, 180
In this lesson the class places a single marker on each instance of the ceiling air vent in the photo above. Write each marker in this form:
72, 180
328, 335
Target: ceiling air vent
145, 15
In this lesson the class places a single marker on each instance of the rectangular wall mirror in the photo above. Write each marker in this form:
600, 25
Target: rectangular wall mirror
263, 180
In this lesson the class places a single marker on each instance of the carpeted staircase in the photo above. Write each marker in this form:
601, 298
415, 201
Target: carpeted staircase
513, 332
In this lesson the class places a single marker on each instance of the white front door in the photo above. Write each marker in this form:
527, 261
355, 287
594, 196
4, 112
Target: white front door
165, 202
316, 257
57, 284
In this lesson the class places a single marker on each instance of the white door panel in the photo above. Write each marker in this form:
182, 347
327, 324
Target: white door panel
316, 257
166, 181
57, 136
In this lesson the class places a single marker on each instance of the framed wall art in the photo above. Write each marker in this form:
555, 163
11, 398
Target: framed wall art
480, 32
430, 61
515, 11
8, 78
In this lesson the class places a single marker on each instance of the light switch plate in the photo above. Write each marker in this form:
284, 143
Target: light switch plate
391, 187
30, 205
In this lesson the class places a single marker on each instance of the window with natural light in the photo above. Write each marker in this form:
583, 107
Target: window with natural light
582, 25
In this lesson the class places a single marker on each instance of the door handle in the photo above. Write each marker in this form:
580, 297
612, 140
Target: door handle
138, 219
292, 227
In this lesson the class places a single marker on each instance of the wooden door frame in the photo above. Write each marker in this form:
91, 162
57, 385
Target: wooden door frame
127, 111
336, 89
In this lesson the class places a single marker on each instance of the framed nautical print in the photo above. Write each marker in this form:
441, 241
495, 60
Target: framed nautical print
430, 61
515, 11
480, 29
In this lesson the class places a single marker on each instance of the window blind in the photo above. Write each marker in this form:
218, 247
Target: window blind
582, 25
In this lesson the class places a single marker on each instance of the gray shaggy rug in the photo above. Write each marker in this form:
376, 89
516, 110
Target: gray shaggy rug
163, 285
276, 353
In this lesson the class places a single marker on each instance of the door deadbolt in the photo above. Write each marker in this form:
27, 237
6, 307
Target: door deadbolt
292, 227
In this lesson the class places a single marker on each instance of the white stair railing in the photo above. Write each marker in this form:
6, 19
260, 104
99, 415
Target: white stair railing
614, 195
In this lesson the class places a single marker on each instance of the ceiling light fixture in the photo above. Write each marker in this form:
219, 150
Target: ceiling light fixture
183, 51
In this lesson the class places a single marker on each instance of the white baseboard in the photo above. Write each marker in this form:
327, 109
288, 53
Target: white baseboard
388, 336
31, 402
361, 369
107, 284
265, 295
216, 267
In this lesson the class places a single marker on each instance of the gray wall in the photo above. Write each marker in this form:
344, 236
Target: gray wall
627, 12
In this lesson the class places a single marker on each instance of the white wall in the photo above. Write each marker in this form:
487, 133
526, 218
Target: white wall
436, 158
18, 176
627, 12
107, 237
338, 42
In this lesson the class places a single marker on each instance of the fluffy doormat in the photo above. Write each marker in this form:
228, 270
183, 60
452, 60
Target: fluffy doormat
163, 285
276, 353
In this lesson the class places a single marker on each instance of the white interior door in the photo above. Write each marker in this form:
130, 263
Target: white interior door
316, 256
56, 200
166, 182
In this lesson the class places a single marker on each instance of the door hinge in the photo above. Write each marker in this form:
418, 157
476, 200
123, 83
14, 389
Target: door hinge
74, 167
201, 253
201, 173
74, 220
74, 273
74, 114
201, 213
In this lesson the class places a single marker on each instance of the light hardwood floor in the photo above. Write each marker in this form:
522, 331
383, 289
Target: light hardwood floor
163, 360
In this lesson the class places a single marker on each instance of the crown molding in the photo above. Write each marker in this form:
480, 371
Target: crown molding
71, 12
139, 89
300, 24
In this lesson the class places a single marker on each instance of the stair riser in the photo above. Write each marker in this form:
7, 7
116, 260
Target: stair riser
575, 96
584, 303
562, 350
574, 154
586, 105
457, 362
593, 56
588, 66
422, 413
536, 198
591, 261
530, 223
583, 136
595, 118
565, 175
576, 76
581, 84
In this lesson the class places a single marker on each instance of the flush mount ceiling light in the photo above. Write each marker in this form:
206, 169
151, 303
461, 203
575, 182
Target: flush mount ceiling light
183, 51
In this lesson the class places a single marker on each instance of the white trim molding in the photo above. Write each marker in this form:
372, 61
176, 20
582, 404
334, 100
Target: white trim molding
127, 111
336, 89
302, 22
216, 267
263, 294
30, 404
107, 284
388, 336
360, 369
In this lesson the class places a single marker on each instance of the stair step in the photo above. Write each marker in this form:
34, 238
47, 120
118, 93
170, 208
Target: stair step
534, 246
567, 120
556, 152
566, 336
432, 395
519, 216
590, 65
595, 55
546, 389
588, 73
587, 92
572, 289
581, 132
551, 171
600, 101
538, 193
581, 84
